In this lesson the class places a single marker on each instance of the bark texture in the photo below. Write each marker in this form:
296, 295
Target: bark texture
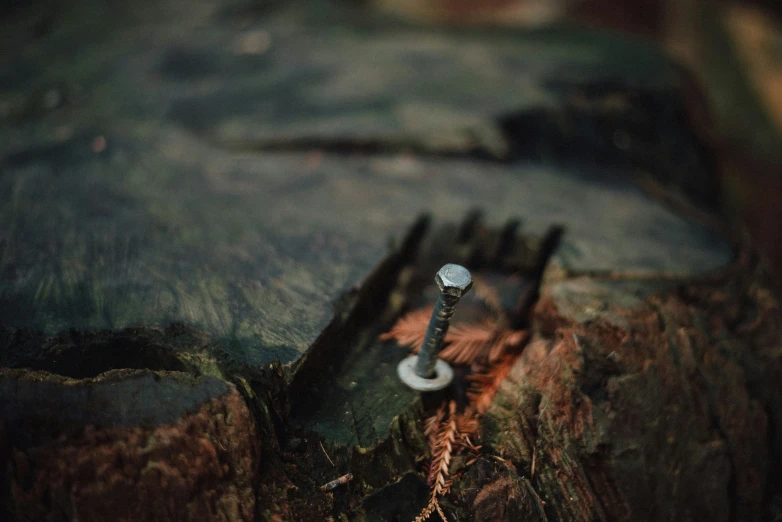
666, 409
200, 467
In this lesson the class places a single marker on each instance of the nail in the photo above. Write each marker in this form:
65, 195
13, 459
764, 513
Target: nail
426, 372
454, 281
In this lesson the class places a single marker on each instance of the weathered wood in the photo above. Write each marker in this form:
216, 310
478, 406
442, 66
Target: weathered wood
128, 445
235, 198
654, 405
164, 225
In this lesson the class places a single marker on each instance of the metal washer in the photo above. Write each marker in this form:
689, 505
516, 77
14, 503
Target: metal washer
443, 375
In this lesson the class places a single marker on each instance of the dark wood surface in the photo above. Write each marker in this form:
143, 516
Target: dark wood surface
231, 193
144, 194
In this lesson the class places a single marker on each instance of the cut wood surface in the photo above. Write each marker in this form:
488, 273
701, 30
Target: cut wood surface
145, 195
210, 212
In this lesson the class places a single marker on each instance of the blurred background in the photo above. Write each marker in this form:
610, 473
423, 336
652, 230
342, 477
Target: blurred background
731, 51
731, 57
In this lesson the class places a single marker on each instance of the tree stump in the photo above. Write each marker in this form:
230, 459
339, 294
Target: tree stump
212, 212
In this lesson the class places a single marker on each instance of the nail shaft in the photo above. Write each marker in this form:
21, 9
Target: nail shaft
435, 335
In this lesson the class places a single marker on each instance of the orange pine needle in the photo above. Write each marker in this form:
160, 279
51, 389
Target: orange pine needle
463, 344
432, 426
427, 512
451, 435
481, 343
489, 345
410, 329
443, 445
483, 386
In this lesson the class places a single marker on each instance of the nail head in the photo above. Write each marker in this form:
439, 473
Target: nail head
454, 279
